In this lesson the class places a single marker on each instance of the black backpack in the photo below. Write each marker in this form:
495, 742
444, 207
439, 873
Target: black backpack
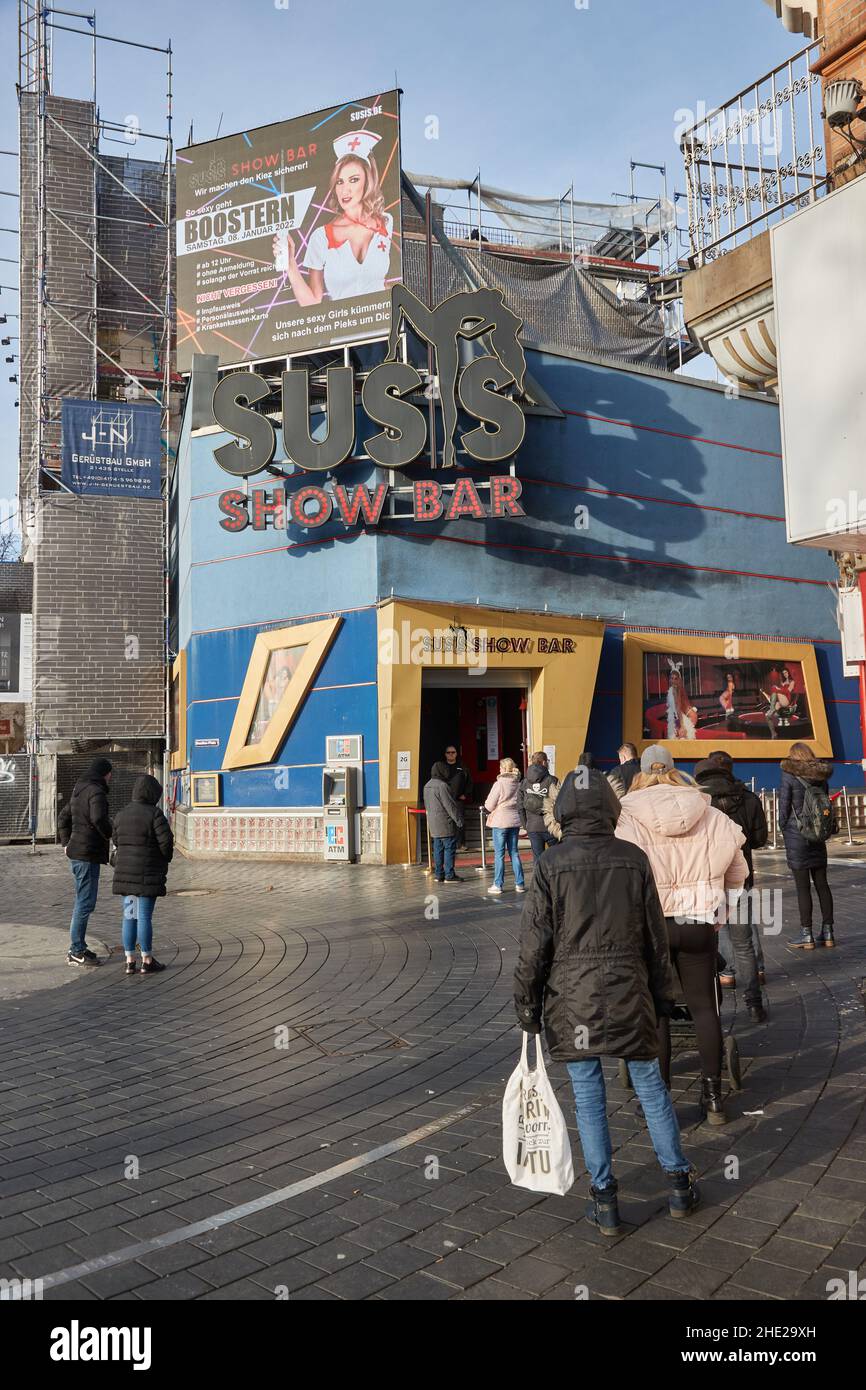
533, 802
817, 819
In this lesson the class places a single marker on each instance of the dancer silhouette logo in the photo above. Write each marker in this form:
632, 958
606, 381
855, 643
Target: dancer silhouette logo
478, 389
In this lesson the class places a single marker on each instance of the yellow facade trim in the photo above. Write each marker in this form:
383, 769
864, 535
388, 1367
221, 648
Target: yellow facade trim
317, 639
562, 681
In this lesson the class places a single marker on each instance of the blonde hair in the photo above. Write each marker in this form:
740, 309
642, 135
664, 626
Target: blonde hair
667, 777
507, 767
372, 202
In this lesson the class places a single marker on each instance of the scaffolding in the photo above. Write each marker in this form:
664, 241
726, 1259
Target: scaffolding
96, 256
37, 26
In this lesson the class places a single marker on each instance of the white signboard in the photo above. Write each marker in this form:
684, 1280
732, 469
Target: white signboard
16, 658
492, 729
819, 287
550, 750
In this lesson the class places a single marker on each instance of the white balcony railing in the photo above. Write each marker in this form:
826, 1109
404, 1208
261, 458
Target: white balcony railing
755, 159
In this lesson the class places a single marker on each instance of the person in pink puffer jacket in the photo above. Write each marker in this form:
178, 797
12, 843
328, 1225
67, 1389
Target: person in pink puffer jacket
699, 870
503, 817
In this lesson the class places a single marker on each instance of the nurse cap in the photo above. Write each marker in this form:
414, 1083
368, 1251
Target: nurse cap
359, 143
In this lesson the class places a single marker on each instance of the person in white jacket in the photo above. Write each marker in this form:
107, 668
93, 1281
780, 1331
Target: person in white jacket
699, 870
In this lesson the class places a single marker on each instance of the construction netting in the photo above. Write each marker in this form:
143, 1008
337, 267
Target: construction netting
561, 304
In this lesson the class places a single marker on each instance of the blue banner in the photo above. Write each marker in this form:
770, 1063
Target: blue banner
112, 448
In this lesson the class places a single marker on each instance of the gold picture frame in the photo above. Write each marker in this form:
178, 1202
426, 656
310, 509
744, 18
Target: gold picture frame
316, 638
206, 789
732, 650
179, 756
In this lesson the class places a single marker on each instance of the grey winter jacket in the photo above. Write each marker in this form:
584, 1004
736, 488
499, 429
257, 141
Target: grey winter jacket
444, 814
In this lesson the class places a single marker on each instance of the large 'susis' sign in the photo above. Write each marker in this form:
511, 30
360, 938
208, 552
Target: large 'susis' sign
477, 389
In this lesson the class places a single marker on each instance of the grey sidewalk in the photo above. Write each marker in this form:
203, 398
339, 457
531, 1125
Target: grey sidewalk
310, 1016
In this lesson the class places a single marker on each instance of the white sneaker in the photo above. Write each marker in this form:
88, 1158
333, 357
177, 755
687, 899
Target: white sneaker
493, 889
520, 888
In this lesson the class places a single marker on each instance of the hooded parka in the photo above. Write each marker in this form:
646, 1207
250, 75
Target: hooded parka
800, 852
145, 844
593, 946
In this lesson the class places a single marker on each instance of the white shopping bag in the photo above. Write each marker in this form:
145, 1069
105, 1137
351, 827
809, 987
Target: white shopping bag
535, 1144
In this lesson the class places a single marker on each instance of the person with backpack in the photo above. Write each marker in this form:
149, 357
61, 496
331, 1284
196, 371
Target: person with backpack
85, 834
594, 970
737, 938
538, 783
504, 820
144, 849
699, 868
807, 820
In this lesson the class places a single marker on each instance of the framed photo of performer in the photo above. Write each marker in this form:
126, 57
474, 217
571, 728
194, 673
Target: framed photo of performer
747, 697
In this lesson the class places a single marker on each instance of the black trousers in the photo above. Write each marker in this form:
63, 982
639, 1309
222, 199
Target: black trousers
804, 895
693, 955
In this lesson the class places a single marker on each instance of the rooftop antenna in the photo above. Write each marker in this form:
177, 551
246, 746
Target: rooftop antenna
220, 125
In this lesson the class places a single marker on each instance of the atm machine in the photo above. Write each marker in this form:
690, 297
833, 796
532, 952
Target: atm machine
341, 796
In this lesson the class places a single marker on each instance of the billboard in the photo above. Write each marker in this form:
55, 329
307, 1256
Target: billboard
288, 236
16, 646
111, 448
822, 387
697, 694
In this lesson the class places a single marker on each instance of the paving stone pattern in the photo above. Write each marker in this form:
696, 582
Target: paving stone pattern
394, 1021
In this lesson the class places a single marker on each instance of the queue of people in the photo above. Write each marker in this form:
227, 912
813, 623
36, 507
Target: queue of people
646, 867
138, 843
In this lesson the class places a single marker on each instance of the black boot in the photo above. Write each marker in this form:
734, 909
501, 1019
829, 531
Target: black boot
804, 942
827, 937
684, 1195
711, 1100
602, 1210
757, 1013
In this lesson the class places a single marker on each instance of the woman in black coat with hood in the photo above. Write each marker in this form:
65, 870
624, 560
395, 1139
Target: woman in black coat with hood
807, 859
144, 848
594, 962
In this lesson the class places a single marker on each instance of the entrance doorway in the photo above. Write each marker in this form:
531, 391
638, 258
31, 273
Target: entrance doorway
484, 723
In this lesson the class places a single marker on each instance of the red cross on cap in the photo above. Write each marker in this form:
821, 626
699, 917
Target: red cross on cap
353, 144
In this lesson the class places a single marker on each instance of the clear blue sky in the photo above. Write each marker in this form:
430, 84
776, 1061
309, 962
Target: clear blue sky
535, 94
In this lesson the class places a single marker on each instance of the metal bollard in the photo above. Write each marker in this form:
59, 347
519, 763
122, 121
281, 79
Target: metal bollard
847, 814
429, 869
775, 816
483, 868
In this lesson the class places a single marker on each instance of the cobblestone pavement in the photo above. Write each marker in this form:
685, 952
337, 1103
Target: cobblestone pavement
310, 1097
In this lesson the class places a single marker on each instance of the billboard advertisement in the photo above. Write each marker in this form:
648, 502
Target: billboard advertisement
16, 648
111, 448
288, 236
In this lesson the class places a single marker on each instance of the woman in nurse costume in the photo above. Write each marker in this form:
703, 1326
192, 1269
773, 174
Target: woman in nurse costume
351, 254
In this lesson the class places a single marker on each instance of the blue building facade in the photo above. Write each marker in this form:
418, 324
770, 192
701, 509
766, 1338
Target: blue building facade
653, 503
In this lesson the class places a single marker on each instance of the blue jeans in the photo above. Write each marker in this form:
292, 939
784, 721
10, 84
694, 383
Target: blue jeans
86, 877
726, 947
444, 850
506, 840
590, 1103
138, 923
539, 840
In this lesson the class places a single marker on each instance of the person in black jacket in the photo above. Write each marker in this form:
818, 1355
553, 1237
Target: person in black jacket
629, 766
538, 783
740, 937
594, 965
145, 846
85, 833
806, 859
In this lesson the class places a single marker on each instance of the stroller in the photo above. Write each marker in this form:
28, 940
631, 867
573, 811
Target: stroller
683, 1040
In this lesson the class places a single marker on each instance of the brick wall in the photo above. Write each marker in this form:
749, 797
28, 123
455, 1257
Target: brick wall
99, 592
843, 25
16, 587
70, 185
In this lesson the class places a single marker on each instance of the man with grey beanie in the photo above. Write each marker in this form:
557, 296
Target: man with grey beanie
85, 833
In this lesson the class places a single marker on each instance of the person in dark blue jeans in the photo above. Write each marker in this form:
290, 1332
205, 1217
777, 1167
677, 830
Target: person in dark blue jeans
594, 966
538, 783
444, 822
84, 827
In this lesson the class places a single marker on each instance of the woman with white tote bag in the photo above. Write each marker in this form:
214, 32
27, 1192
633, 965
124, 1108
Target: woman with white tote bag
594, 963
